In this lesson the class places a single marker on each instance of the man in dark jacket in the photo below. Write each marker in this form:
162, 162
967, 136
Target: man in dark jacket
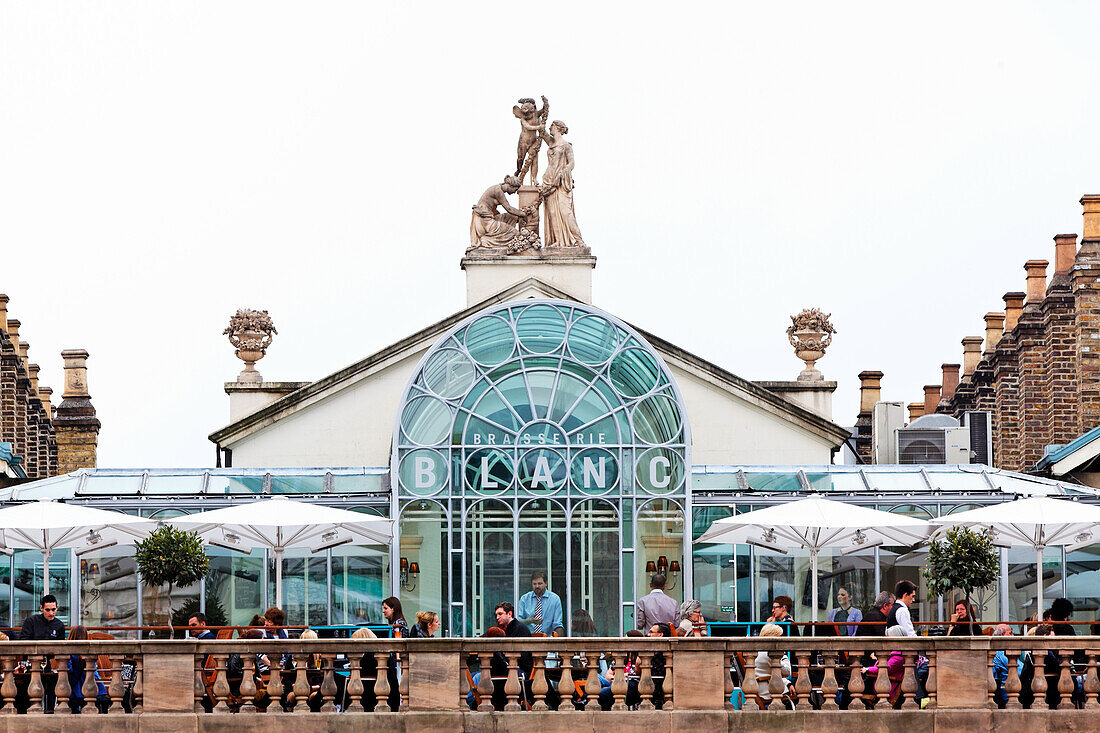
45, 626
874, 624
506, 619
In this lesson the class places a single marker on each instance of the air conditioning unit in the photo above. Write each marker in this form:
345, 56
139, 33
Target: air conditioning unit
886, 419
980, 424
933, 439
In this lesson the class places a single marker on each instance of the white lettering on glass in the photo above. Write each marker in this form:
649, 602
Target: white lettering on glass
425, 473
486, 482
653, 480
590, 473
542, 473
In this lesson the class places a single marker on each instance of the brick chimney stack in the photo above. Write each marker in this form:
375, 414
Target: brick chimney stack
1091, 202
74, 420
1014, 305
1065, 249
972, 354
1036, 280
994, 329
870, 390
916, 409
931, 398
950, 383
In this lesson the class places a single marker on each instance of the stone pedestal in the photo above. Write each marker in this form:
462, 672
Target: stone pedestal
814, 396
248, 397
529, 195
487, 275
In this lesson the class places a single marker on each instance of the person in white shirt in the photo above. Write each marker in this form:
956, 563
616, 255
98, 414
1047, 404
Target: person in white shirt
906, 593
656, 607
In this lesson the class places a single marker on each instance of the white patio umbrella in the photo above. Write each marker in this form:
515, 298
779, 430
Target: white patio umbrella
1038, 522
278, 523
817, 523
47, 525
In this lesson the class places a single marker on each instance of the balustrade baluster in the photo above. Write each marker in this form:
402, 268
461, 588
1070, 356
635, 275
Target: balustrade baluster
485, 683
592, 685
776, 684
328, 684
1092, 684
382, 683
909, 681
403, 679
539, 685
1012, 683
646, 686
89, 689
882, 680
802, 685
115, 689
275, 686
7, 688
63, 692
855, 682
219, 690
35, 689
1039, 680
930, 683
666, 685
301, 685
249, 673
512, 687
618, 682
991, 682
355, 688
200, 682
828, 685
749, 685
1065, 682
727, 677
137, 694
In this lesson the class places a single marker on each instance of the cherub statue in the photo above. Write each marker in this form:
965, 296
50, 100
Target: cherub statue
531, 120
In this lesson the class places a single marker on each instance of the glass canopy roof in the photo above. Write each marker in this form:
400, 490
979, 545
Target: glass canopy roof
707, 481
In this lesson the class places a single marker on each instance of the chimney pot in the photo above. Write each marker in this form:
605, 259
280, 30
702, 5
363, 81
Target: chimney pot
950, 381
1036, 280
32, 370
1014, 305
76, 374
3, 313
1091, 202
916, 409
46, 394
1065, 250
931, 398
24, 347
13, 332
994, 329
972, 354
870, 391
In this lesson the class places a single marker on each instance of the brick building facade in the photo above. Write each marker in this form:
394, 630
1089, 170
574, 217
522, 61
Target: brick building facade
41, 441
1039, 372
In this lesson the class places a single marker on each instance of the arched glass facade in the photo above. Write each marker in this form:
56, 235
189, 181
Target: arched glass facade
553, 438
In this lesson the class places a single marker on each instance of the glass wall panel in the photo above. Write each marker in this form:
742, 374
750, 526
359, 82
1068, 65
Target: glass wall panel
305, 586
423, 541
897, 563
5, 589
542, 547
1082, 585
661, 534
28, 584
108, 593
594, 540
721, 572
490, 554
1021, 580
361, 579
234, 586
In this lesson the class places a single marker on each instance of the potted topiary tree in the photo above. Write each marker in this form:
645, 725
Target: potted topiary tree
963, 559
172, 557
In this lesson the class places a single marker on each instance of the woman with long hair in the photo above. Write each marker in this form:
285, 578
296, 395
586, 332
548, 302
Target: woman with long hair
77, 674
391, 609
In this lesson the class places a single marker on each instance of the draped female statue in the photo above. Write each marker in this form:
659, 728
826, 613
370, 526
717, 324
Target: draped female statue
560, 227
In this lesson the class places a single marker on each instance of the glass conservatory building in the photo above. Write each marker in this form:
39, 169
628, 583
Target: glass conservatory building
535, 435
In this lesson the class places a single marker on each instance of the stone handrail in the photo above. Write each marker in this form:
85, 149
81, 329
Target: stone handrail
713, 675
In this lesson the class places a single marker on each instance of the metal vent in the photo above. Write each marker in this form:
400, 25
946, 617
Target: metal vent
981, 436
921, 446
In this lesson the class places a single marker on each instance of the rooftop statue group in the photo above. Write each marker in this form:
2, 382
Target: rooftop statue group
516, 230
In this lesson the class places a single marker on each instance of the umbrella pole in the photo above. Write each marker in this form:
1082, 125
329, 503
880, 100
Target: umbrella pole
813, 592
1039, 583
45, 572
279, 577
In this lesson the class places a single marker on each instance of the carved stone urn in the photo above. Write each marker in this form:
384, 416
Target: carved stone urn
810, 333
250, 332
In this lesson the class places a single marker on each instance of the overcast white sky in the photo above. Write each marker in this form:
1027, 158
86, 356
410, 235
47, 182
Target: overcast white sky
165, 163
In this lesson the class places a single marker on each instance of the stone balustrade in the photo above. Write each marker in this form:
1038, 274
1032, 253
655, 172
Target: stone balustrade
637, 683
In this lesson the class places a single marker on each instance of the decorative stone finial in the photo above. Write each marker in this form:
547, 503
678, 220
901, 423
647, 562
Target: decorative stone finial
810, 334
250, 332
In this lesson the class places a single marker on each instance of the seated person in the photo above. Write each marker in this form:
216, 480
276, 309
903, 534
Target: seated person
764, 667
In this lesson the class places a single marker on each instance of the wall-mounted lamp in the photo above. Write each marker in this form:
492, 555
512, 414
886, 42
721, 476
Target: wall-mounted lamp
671, 570
651, 567
409, 573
